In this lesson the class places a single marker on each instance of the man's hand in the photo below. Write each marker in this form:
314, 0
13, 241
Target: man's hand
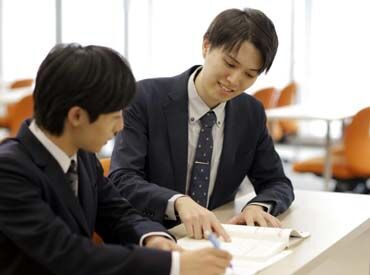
198, 219
255, 215
205, 261
162, 243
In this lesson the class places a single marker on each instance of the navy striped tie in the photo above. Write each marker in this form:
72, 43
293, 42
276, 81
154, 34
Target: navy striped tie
199, 181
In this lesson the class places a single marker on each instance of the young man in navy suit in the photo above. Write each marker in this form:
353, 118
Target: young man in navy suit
155, 162
53, 194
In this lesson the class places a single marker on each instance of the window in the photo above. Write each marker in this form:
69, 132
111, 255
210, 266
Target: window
28, 34
166, 36
96, 22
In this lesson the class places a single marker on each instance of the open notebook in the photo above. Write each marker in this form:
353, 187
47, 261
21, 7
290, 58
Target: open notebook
253, 248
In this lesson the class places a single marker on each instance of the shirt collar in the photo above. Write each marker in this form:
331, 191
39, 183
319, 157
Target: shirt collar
197, 107
62, 158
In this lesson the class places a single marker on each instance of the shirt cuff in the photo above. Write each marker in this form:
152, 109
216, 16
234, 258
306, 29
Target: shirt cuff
163, 234
266, 206
170, 209
175, 263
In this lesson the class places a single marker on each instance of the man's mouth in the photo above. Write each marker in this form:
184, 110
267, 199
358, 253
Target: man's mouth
225, 89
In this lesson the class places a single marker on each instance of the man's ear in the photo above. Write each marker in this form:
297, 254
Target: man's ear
206, 45
76, 116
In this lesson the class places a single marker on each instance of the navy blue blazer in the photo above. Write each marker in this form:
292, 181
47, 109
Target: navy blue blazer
149, 160
45, 229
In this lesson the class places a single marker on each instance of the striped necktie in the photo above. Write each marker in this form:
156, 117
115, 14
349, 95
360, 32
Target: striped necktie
72, 177
199, 182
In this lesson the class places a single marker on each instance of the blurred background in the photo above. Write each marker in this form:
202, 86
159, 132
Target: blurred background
320, 70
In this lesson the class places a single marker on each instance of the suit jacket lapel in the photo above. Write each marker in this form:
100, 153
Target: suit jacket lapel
86, 193
57, 178
176, 113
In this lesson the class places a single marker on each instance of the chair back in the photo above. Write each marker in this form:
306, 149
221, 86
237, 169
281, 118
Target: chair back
18, 112
357, 143
267, 96
287, 95
21, 83
105, 162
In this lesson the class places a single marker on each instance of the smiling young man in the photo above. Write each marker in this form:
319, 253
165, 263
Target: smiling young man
53, 194
190, 140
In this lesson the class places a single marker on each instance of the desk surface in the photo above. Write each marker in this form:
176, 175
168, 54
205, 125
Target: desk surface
305, 112
333, 219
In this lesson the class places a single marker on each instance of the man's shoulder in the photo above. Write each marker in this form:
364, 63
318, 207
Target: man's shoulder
11, 148
246, 101
14, 157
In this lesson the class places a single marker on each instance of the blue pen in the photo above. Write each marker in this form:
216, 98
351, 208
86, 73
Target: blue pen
215, 241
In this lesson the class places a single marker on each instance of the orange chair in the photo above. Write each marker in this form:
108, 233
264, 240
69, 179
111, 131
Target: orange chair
105, 162
16, 113
352, 163
288, 97
97, 239
21, 83
267, 96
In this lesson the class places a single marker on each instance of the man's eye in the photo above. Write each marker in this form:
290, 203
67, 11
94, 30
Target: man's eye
229, 64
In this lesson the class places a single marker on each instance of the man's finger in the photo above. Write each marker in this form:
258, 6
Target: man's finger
274, 222
189, 228
197, 229
261, 221
206, 227
238, 219
220, 231
233, 220
249, 220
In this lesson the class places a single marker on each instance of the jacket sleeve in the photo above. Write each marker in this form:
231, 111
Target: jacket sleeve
267, 175
129, 161
31, 225
117, 220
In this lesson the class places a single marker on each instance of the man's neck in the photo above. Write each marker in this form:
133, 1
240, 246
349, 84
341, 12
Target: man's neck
200, 89
63, 142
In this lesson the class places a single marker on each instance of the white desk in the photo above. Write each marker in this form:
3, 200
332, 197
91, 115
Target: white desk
329, 114
340, 233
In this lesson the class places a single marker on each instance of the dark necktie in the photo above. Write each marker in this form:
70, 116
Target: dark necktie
199, 181
72, 176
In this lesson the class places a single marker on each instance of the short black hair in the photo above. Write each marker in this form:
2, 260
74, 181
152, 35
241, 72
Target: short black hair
232, 27
95, 78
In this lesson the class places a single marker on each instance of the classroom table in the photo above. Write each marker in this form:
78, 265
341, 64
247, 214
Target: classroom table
339, 225
326, 114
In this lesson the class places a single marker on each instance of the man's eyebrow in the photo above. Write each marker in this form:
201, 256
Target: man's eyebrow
236, 61
233, 58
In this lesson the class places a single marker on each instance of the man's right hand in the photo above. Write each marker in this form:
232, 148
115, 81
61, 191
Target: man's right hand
198, 219
204, 261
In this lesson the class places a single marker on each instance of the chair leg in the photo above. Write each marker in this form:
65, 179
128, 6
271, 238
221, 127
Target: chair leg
357, 186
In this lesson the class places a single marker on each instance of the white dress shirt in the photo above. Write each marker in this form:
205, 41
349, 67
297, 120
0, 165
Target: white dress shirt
198, 108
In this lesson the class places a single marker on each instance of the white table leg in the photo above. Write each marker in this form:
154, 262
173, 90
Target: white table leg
327, 164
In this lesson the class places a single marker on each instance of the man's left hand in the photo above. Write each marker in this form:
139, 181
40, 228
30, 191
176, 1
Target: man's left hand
255, 215
162, 243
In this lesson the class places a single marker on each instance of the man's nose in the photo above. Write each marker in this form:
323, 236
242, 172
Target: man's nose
234, 79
